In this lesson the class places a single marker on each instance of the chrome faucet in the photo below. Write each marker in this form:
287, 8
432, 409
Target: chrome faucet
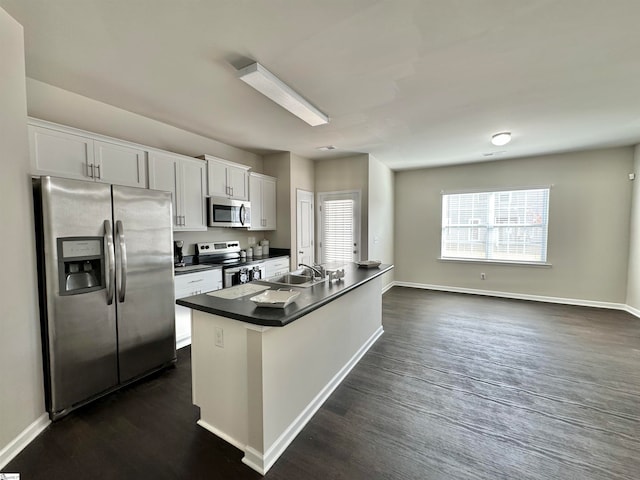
317, 269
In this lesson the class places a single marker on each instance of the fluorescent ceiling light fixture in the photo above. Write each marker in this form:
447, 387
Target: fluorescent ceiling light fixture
271, 86
501, 138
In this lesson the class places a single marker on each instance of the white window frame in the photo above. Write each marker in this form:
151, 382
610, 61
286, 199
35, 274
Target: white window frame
321, 197
490, 226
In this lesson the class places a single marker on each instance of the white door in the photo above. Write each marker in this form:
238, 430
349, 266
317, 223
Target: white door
164, 175
120, 164
192, 189
339, 226
238, 182
269, 204
217, 179
304, 228
60, 154
255, 196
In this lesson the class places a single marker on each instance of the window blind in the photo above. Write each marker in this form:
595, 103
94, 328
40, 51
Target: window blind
507, 225
338, 232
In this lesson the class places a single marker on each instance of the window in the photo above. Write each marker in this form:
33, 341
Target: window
508, 226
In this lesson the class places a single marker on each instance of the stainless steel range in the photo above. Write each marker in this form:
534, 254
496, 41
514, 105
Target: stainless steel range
235, 270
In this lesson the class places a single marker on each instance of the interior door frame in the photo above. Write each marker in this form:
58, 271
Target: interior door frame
320, 198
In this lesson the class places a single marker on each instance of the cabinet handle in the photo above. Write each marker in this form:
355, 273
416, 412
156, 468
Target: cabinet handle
184, 221
98, 170
231, 188
90, 175
196, 281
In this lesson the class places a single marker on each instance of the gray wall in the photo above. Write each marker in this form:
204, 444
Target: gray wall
21, 387
61, 106
633, 278
590, 206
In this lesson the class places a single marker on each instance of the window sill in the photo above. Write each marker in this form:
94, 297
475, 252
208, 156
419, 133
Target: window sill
495, 262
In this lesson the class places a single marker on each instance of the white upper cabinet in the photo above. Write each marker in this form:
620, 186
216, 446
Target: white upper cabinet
71, 153
227, 179
185, 178
262, 195
120, 164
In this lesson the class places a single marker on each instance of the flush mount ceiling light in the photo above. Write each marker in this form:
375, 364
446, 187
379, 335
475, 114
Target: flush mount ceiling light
327, 148
271, 86
501, 138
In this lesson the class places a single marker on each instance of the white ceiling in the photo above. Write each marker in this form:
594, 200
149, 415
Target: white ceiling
413, 82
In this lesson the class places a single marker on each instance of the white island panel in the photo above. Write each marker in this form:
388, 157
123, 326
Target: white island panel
265, 384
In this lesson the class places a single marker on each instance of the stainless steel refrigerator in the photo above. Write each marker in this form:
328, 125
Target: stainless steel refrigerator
105, 277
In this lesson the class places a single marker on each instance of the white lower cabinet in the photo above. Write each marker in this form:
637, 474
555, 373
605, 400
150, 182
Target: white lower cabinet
185, 286
276, 266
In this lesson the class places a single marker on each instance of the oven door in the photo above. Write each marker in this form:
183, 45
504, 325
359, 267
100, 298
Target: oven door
224, 212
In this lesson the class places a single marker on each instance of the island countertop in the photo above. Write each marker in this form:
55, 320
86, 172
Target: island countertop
310, 299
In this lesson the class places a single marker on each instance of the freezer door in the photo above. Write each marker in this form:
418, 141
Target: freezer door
79, 329
144, 280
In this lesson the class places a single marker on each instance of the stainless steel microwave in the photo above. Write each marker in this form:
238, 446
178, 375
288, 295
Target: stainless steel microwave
225, 212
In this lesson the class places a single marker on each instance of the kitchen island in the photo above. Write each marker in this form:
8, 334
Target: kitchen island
259, 374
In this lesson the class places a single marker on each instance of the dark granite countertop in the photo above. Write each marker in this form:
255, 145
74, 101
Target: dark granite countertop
310, 299
198, 267
194, 268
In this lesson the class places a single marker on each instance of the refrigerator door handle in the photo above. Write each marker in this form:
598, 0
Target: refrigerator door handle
111, 263
121, 273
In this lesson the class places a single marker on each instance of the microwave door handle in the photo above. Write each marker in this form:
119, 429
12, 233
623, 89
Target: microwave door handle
111, 263
121, 273
242, 214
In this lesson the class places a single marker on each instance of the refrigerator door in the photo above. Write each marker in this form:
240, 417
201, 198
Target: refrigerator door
78, 325
144, 280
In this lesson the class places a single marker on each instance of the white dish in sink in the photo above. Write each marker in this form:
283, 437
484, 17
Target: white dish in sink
275, 298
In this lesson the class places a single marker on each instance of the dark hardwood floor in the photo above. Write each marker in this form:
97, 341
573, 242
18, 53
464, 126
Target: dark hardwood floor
458, 387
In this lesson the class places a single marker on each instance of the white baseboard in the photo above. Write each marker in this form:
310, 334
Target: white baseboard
633, 311
521, 296
23, 439
183, 342
261, 463
388, 286
222, 435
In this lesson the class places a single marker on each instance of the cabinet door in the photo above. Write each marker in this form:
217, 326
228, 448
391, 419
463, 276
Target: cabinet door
269, 203
192, 186
255, 197
217, 173
163, 175
60, 154
238, 182
120, 164
276, 266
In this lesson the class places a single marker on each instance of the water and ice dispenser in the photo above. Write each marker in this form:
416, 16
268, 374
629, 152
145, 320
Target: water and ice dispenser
80, 264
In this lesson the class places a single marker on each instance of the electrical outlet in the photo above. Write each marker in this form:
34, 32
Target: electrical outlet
483, 276
219, 337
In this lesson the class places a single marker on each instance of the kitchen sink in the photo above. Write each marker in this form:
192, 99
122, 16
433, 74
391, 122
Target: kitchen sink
294, 280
